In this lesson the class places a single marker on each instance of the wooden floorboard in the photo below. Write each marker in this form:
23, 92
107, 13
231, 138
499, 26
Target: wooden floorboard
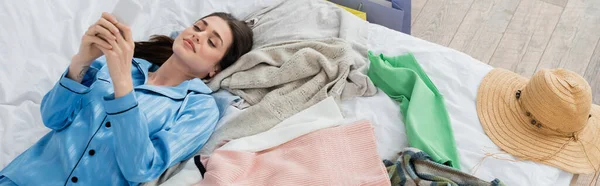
561, 3
575, 37
585, 180
417, 6
592, 74
526, 37
440, 19
544, 27
483, 27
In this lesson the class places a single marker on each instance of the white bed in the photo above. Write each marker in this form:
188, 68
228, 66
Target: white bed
38, 38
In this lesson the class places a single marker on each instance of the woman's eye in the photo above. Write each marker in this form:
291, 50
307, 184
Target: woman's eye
197, 29
211, 43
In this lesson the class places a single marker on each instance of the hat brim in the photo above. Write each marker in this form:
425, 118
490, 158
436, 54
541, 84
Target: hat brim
504, 122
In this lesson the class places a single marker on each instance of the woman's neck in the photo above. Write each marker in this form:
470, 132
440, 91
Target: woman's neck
170, 73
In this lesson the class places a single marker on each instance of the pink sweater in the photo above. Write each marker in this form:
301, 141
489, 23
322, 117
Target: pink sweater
344, 155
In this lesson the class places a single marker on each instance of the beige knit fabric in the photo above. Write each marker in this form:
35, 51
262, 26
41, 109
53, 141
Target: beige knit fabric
282, 79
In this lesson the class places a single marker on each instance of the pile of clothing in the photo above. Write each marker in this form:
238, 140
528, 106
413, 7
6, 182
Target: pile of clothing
318, 146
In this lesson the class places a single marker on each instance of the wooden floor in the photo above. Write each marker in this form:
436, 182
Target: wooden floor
520, 35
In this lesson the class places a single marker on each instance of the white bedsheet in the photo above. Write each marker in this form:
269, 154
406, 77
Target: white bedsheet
38, 38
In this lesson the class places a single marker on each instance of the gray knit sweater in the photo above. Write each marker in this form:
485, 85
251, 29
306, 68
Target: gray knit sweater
282, 79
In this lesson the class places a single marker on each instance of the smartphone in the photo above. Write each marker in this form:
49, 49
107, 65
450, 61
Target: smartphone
126, 11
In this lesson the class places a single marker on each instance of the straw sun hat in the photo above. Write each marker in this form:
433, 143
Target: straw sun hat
548, 119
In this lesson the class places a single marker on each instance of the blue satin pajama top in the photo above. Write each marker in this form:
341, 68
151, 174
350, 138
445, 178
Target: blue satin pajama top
99, 140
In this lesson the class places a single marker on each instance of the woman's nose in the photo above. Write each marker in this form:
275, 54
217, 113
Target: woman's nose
198, 36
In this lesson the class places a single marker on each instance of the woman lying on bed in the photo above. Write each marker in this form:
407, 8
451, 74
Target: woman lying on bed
121, 120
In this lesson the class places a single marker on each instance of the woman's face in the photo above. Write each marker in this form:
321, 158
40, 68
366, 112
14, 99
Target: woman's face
201, 46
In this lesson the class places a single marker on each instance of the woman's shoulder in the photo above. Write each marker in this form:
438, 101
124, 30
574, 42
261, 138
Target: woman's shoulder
197, 92
199, 102
198, 98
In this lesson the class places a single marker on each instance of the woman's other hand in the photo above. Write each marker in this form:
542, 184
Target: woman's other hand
97, 37
119, 59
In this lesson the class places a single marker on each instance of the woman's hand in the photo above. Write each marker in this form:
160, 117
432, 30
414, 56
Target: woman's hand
96, 37
119, 59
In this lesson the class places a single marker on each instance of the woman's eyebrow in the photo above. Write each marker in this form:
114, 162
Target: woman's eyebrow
214, 32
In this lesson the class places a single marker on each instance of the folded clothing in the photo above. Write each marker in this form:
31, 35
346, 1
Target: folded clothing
312, 159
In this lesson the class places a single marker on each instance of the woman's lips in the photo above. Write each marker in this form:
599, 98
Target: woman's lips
190, 44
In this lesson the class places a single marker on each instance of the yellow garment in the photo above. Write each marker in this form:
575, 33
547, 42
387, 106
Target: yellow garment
360, 14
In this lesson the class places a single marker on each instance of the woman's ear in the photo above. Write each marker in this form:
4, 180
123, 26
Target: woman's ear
216, 70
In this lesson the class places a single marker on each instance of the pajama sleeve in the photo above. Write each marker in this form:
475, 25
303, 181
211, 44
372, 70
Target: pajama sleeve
62, 103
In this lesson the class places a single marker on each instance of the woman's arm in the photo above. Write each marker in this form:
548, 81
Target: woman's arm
62, 103
142, 156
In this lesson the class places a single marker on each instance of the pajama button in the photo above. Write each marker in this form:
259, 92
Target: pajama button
92, 152
107, 124
74, 179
